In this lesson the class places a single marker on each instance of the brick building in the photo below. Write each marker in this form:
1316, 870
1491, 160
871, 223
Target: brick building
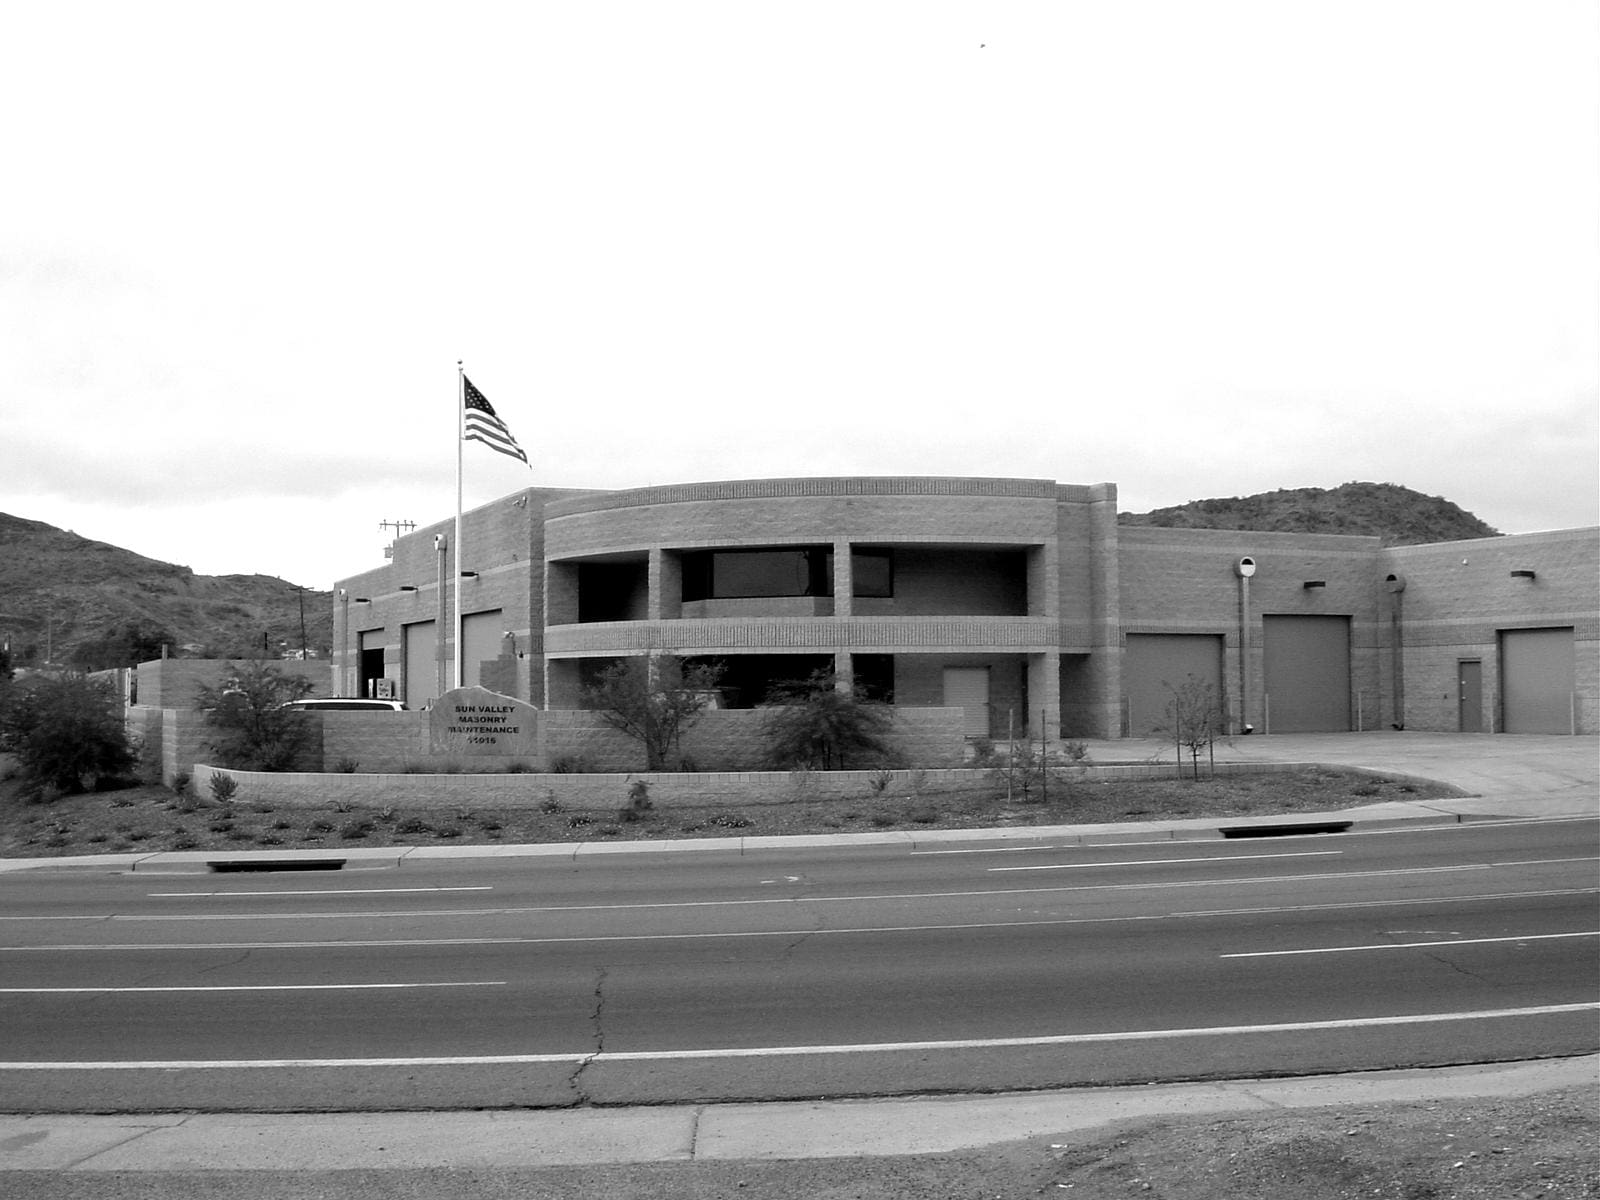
1019, 601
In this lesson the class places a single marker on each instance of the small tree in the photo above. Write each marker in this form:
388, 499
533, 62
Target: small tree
1196, 720
654, 699
815, 724
66, 732
251, 729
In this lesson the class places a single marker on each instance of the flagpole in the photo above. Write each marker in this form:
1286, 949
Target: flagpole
461, 441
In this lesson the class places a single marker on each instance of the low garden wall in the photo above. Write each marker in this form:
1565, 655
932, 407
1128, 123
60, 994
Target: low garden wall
667, 789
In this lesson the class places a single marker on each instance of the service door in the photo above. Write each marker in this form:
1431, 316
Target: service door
1537, 679
967, 688
1307, 668
1469, 675
370, 662
481, 634
1155, 665
422, 668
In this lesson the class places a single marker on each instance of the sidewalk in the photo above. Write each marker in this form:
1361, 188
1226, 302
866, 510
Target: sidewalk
706, 1133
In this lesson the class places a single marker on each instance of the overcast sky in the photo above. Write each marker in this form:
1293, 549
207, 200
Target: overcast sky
1198, 248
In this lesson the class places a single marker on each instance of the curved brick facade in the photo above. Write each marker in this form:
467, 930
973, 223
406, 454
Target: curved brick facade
1020, 600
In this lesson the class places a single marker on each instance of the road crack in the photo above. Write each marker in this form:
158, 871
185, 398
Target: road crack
597, 1024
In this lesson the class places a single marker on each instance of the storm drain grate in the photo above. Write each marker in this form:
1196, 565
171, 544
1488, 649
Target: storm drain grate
1288, 830
287, 864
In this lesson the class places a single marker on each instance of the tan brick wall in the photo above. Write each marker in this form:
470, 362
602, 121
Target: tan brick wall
1460, 596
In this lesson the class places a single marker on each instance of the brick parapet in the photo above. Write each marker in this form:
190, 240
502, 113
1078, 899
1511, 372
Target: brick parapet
865, 634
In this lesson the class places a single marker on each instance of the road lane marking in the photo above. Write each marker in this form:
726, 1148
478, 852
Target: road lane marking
1163, 862
323, 892
1528, 937
1398, 901
611, 1056
266, 987
1455, 827
375, 943
412, 914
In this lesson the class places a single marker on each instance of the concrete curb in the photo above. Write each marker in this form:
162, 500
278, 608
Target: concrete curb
366, 858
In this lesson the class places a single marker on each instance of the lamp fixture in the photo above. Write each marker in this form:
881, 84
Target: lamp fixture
362, 600
469, 574
1524, 575
408, 587
1314, 583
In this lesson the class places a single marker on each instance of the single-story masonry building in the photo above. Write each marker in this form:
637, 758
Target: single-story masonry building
1020, 602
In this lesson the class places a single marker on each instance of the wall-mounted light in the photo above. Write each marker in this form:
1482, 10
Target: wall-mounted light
1314, 583
362, 600
469, 574
1524, 575
408, 587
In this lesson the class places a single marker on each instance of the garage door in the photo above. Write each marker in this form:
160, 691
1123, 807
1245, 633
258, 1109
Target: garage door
1307, 661
1155, 664
1537, 679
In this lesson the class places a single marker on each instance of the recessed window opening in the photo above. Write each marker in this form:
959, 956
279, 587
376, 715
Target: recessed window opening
872, 573
757, 574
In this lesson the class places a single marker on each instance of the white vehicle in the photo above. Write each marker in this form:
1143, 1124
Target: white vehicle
346, 704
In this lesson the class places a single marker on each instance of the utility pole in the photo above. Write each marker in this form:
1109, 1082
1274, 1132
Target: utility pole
399, 528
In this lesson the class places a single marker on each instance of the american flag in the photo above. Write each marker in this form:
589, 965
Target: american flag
482, 425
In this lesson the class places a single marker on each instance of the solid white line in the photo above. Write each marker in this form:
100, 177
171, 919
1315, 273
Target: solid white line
272, 987
605, 1056
1530, 937
325, 892
1163, 862
1398, 902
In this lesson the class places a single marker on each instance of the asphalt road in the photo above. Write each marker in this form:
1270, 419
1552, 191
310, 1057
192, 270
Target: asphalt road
827, 971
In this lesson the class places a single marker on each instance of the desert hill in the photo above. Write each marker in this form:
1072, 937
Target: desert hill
83, 602
1398, 515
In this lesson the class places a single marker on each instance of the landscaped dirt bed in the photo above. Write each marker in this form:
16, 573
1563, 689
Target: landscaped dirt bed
149, 819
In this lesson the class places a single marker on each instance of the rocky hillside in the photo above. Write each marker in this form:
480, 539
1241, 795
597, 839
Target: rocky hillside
1398, 515
76, 599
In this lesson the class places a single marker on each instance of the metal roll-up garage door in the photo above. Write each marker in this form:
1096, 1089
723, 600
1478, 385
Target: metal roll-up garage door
419, 641
1307, 661
1538, 675
1156, 664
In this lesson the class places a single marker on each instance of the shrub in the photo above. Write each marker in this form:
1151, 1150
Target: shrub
353, 830
251, 727
346, 766
638, 802
65, 732
551, 805
816, 725
653, 699
223, 787
569, 764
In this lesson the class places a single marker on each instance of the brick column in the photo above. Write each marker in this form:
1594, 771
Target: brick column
844, 672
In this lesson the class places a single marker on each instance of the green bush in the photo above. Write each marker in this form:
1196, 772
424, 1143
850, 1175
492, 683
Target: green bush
251, 727
817, 726
66, 733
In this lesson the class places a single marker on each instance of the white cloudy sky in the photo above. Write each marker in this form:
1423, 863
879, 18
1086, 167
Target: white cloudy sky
1194, 248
